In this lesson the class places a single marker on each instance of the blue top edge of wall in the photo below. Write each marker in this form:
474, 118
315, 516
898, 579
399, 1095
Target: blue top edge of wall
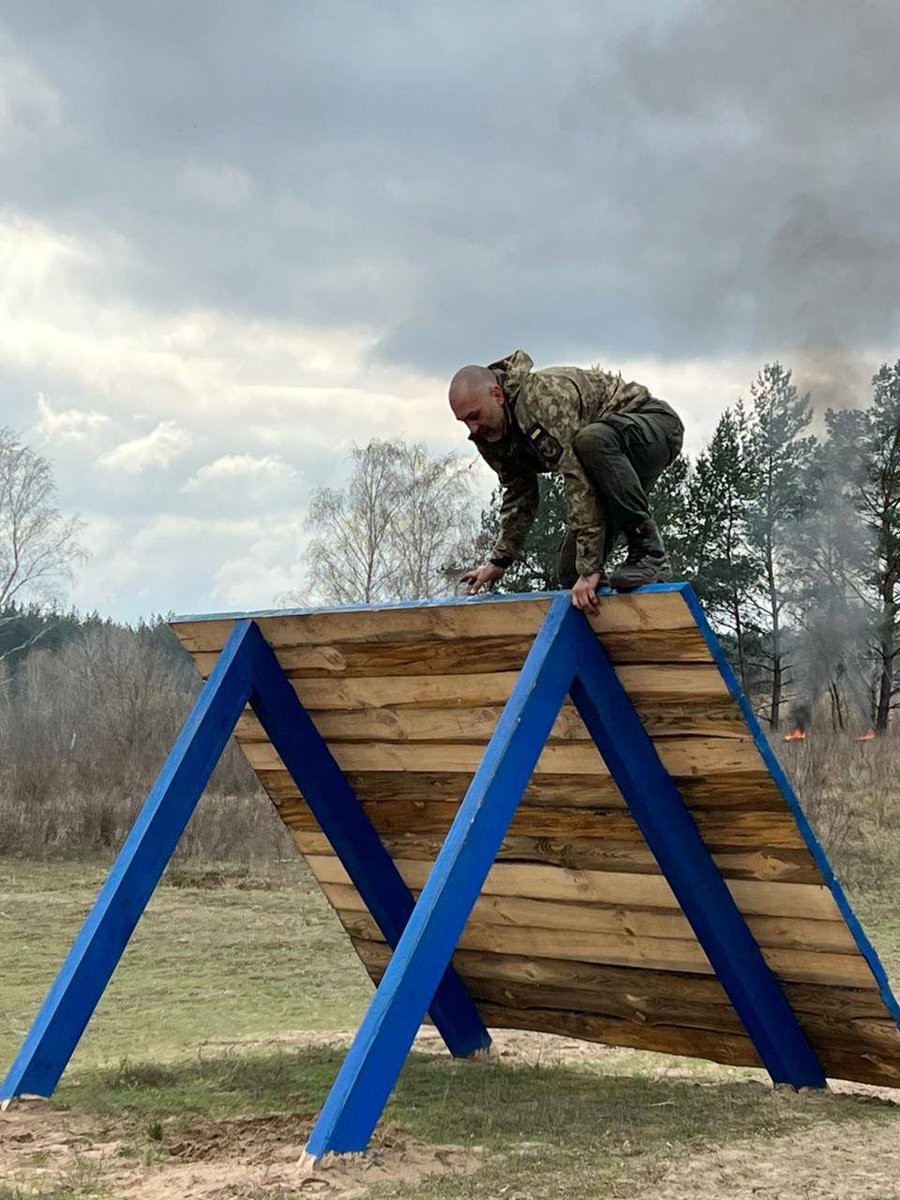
438, 602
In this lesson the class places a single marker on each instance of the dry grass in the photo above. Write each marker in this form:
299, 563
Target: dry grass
850, 791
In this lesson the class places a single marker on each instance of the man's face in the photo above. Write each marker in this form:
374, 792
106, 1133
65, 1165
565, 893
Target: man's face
484, 415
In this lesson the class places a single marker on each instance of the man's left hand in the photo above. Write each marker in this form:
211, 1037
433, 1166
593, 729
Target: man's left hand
584, 593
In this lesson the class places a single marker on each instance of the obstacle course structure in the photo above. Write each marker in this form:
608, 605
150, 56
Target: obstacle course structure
523, 817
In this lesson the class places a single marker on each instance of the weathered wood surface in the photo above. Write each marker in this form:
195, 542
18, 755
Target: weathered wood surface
576, 931
753, 897
578, 854
682, 757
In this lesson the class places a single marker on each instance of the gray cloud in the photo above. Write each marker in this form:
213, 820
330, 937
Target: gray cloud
709, 183
715, 179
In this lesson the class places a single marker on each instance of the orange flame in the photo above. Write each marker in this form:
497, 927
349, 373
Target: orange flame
868, 736
797, 736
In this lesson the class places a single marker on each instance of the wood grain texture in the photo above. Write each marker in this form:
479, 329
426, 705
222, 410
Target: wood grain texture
516, 911
576, 854
720, 831
575, 931
682, 757
669, 954
424, 724
645, 995
467, 655
450, 622
753, 897
753, 790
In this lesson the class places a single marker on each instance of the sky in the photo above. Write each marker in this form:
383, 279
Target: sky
236, 239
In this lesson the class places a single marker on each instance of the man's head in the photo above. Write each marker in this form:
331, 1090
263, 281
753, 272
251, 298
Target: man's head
477, 399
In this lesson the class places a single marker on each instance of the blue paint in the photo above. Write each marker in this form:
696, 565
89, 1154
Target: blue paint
353, 837
768, 755
379, 1050
142, 860
674, 840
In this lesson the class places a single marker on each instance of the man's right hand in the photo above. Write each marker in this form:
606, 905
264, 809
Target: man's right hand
480, 578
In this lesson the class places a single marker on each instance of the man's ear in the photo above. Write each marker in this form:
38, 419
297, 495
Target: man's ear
497, 392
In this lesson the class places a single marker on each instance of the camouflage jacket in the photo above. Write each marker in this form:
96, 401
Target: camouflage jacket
546, 409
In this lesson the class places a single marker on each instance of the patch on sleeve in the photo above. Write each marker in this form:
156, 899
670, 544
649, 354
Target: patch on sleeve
544, 443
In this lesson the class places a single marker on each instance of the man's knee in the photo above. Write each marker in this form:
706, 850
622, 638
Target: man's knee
598, 438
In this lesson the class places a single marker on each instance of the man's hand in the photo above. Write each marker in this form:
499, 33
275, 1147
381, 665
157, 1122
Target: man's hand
481, 577
584, 593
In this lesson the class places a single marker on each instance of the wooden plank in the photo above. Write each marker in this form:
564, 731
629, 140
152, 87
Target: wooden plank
693, 682
738, 790
730, 1049
859, 1059
461, 656
432, 622
649, 995
424, 724
719, 830
598, 887
620, 613
795, 866
468, 655
645, 952
774, 932
682, 757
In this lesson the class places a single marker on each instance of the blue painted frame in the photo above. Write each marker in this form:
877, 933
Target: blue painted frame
376, 1057
246, 671
136, 872
566, 658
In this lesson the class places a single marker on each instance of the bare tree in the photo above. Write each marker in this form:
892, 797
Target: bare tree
38, 545
393, 531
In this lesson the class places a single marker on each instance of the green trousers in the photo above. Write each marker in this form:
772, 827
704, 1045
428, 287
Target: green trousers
622, 456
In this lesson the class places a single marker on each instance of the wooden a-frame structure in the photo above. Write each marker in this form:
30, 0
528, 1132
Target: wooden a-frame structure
690, 906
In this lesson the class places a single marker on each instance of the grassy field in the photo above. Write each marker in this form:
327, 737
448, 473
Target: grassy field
215, 1046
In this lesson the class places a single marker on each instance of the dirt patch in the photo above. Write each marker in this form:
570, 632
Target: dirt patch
830, 1162
206, 1160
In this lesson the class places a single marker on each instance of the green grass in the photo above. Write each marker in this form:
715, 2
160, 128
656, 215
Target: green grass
211, 969
205, 963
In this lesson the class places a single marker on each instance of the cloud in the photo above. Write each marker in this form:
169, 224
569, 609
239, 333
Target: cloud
276, 235
270, 471
156, 449
698, 179
70, 424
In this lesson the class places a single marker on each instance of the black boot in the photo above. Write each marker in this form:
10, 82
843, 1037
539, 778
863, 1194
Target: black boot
647, 561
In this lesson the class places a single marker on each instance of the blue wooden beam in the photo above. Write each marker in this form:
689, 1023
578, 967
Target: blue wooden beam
142, 860
343, 820
672, 835
379, 1050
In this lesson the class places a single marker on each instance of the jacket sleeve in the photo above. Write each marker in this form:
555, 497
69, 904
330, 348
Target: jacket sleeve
518, 508
555, 404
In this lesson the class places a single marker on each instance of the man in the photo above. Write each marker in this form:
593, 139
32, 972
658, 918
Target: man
609, 439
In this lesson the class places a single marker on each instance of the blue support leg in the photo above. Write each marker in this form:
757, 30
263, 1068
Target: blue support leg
376, 1057
672, 835
141, 862
353, 837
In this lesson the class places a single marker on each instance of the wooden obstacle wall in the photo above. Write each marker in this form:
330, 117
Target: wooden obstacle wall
576, 930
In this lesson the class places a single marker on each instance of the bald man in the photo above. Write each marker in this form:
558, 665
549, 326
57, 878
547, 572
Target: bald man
609, 439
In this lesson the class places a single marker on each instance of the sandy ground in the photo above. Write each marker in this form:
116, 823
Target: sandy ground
250, 1157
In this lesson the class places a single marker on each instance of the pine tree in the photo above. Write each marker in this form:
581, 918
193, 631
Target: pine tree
537, 567
714, 550
877, 497
779, 460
